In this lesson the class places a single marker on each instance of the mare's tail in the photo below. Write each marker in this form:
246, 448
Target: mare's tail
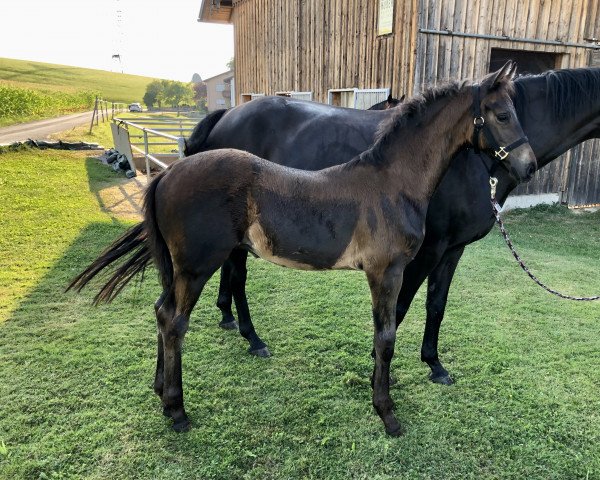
197, 141
135, 249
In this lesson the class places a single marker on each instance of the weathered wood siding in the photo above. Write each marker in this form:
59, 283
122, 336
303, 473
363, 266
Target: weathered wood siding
441, 57
312, 45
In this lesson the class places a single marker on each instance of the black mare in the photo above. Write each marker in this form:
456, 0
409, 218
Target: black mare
557, 110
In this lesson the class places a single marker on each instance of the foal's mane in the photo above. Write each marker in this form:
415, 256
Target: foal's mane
407, 114
412, 111
567, 91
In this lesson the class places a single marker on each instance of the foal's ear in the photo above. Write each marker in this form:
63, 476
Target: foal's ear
505, 74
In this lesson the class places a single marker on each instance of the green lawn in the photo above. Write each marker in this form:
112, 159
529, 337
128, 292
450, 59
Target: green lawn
75, 381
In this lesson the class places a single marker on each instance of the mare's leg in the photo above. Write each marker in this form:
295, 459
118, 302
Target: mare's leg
385, 286
224, 299
414, 275
437, 296
238, 287
160, 358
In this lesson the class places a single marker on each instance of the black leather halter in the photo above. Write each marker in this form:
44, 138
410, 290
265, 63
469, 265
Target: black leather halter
501, 153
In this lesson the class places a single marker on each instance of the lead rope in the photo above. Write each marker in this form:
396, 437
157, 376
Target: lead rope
496, 208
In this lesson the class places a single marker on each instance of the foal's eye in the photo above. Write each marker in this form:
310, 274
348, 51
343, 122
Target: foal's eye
503, 117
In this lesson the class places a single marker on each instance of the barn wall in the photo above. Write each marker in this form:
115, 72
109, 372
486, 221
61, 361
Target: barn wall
311, 45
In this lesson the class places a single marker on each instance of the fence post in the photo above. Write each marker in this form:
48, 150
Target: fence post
146, 155
181, 147
94, 113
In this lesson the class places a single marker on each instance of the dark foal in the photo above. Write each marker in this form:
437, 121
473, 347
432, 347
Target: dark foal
367, 214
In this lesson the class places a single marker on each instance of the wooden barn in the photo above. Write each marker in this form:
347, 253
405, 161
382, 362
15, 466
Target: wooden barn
353, 52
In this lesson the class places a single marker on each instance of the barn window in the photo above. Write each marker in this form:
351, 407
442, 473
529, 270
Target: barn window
298, 95
385, 23
246, 97
356, 97
527, 61
220, 87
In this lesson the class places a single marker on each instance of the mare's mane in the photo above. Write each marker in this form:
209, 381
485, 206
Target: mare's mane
567, 91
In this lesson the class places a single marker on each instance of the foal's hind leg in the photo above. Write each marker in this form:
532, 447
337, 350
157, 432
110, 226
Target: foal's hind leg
238, 287
173, 320
225, 296
160, 357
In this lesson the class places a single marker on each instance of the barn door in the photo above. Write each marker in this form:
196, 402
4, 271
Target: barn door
583, 187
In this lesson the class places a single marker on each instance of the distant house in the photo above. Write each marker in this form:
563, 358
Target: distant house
219, 91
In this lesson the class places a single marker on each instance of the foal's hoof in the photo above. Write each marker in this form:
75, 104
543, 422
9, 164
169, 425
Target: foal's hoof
441, 379
183, 425
230, 325
261, 352
394, 430
167, 412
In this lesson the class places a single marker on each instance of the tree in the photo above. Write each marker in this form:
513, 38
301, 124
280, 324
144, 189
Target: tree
231, 64
152, 95
170, 92
178, 93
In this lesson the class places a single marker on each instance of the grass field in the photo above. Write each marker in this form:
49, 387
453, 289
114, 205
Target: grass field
26, 82
75, 381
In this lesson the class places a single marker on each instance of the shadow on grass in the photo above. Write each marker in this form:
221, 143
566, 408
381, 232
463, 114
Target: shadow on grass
119, 196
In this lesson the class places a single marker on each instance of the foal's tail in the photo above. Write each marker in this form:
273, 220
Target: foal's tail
197, 140
135, 249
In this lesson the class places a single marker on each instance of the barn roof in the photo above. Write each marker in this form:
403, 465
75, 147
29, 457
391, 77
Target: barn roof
215, 11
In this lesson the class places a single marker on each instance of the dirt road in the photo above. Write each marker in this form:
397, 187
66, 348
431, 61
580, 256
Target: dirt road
41, 129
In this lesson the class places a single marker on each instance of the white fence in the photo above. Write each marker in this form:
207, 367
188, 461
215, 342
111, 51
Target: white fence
140, 135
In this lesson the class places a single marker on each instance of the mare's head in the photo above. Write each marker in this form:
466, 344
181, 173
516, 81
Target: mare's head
497, 130
388, 103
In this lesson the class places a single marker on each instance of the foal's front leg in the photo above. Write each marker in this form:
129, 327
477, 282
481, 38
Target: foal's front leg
385, 286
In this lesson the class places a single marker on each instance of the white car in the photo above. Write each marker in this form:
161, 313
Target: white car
135, 107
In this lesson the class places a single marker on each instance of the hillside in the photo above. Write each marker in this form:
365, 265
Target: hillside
46, 76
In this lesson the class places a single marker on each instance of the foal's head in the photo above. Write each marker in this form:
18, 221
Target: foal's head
500, 133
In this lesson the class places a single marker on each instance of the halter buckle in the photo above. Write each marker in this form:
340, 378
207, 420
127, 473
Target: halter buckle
501, 153
479, 121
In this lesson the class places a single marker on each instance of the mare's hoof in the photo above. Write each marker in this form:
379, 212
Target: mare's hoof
261, 352
441, 379
182, 426
231, 325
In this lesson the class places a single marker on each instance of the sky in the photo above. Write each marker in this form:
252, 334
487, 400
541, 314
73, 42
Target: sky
155, 38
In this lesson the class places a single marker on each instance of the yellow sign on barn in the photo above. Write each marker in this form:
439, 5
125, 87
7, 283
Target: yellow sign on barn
386, 17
